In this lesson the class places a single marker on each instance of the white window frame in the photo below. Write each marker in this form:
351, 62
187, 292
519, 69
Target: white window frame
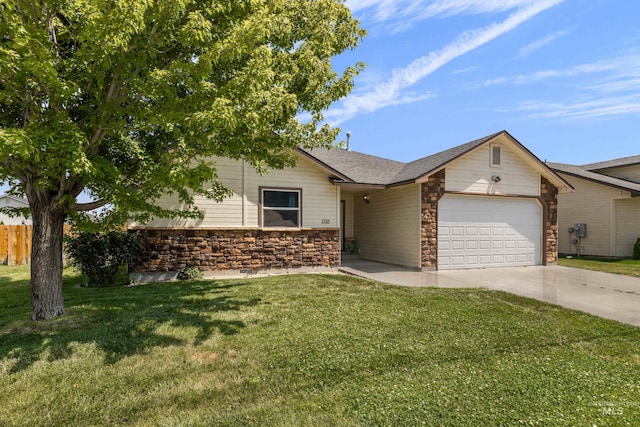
264, 208
493, 163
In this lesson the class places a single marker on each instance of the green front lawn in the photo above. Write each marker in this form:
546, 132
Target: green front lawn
628, 267
310, 350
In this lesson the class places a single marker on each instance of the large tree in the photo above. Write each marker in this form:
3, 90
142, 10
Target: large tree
127, 99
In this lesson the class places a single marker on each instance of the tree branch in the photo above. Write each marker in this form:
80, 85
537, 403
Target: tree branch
84, 207
98, 133
74, 185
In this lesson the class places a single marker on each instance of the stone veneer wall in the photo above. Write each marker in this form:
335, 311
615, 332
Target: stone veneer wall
549, 200
217, 249
432, 191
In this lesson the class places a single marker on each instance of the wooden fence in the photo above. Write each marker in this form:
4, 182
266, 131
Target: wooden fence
15, 244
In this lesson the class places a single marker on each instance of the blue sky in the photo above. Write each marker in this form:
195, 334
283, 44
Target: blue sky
562, 76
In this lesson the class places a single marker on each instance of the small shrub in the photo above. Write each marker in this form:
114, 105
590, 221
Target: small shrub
636, 249
190, 273
103, 257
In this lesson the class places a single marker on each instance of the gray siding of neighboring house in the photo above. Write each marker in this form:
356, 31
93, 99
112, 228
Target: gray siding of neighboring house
6, 219
629, 173
627, 223
595, 205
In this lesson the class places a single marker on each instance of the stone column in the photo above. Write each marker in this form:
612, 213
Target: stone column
432, 191
549, 200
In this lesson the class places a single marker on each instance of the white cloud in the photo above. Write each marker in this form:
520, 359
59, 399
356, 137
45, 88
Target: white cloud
601, 107
621, 66
389, 92
400, 15
465, 70
618, 85
606, 88
529, 49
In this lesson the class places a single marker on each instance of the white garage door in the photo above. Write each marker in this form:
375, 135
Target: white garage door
478, 232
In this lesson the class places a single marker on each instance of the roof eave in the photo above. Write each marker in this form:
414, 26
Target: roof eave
357, 185
632, 192
323, 165
609, 164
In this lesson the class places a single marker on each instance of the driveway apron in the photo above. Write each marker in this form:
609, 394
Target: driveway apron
606, 295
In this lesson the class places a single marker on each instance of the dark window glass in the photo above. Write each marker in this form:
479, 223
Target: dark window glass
280, 208
495, 158
278, 218
280, 199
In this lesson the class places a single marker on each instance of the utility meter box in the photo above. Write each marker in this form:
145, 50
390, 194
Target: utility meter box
581, 230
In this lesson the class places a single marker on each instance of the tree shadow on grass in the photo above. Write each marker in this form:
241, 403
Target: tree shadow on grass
128, 321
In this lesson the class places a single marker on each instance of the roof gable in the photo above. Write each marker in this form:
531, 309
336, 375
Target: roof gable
428, 165
359, 168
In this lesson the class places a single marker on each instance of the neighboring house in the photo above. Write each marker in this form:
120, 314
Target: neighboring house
13, 202
487, 203
606, 200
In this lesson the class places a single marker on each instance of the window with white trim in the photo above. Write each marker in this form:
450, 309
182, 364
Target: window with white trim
496, 155
280, 207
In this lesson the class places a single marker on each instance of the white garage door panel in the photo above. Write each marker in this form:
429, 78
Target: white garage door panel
479, 232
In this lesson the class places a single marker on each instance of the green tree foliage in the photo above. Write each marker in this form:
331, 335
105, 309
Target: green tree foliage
126, 100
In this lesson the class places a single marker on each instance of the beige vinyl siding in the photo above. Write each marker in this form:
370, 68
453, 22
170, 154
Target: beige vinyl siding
592, 204
388, 228
472, 174
627, 226
630, 173
319, 197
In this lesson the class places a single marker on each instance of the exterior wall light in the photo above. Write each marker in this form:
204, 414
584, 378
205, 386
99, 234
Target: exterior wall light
366, 198
496, 178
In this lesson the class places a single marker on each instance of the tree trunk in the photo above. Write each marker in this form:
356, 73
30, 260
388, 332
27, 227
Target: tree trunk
46, 262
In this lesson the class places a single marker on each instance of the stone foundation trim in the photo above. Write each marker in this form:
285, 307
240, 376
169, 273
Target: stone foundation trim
152, 277
172, 250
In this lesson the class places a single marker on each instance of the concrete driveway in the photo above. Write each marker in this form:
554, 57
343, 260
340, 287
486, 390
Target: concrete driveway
606, 295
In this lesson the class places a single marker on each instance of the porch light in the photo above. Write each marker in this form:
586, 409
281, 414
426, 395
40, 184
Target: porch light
366, 198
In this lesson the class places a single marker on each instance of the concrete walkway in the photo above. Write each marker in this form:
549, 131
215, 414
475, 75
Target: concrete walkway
606, 295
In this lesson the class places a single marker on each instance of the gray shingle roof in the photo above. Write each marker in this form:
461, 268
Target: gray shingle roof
581, 172
624, 161
358, 167
367, 169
